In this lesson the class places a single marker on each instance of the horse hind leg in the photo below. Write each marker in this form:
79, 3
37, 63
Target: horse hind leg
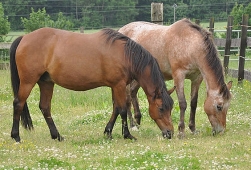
20, 108
134, 87
46, 91
132, 99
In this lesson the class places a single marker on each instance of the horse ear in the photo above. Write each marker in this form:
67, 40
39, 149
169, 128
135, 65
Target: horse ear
171, 90
229, 85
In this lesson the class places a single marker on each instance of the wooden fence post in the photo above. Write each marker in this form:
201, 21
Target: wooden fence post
81, 29
157, 13
228, 43
244, 27
211, 25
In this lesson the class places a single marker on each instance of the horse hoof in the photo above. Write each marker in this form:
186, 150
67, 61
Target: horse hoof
108, 134
17, 139
181, 135
195, 132
60, 138
135, 128
130, 137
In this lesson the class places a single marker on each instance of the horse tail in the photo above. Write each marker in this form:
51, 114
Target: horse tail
26, 120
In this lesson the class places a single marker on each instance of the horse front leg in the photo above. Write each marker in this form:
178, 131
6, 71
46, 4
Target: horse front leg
179, 83
119, 107
195, 85
125, 130
46, 91
110, 124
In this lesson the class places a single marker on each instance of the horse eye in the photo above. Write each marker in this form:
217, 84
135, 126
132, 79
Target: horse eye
161, 109
219, 108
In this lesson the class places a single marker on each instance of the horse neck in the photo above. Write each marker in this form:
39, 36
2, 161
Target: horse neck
146, 82
211, 79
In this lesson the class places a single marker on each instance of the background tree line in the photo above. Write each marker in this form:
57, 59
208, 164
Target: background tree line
112, 13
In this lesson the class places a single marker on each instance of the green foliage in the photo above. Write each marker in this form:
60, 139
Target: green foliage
93, 14
237, 12
62, 22
36, 20
41, 19
4, 24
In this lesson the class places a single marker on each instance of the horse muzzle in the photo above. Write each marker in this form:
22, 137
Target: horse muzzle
167, 134
218, 130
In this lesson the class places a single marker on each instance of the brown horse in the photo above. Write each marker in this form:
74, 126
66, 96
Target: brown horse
184, 51
81, 62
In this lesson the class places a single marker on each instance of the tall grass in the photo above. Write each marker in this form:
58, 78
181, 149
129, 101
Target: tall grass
82, 116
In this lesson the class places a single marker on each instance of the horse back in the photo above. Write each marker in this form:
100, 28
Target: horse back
176, 47
73, 60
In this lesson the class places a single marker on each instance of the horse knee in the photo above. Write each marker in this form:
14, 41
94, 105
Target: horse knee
123, 113
183, 105
44, 109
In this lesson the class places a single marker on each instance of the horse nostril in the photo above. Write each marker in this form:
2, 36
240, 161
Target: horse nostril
214, 132
219, 107
167, 134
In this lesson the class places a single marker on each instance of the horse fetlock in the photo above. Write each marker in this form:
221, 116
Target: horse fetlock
138, 119
192, 127
181, 127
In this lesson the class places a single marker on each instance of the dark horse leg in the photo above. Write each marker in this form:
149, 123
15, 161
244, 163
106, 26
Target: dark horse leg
195, 85
133, 90
179, 83
20, 107
46, 91
119, 107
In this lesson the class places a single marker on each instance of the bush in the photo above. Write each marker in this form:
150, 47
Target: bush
41, 19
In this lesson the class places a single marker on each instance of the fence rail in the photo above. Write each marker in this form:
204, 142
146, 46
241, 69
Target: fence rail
5, 45
221, 42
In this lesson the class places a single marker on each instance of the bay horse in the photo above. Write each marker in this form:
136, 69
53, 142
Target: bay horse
184, 50
80, 62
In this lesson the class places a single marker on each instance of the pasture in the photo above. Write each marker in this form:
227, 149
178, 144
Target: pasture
81, 118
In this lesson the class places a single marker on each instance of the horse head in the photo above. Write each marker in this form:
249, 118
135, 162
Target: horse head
160, 111
216, 107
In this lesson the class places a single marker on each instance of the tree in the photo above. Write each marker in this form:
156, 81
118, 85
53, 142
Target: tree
62, 22
36, 20
4, 24
237, 12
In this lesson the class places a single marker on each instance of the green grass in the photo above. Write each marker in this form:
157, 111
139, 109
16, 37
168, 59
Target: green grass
82, 116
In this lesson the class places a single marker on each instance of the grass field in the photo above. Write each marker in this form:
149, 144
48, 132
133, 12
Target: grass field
81, 118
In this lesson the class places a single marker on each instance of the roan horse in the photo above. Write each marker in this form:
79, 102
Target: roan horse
81, 62
184, 51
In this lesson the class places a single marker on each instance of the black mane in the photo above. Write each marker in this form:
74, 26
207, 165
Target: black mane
212, 58
140, 58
